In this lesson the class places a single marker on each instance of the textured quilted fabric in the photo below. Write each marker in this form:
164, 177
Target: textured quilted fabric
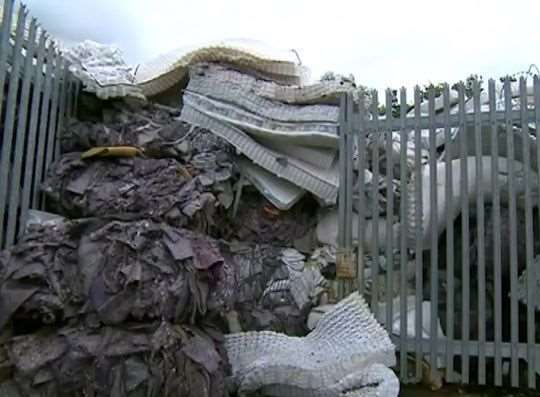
346, 355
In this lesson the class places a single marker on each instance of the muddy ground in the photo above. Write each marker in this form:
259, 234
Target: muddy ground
458, 391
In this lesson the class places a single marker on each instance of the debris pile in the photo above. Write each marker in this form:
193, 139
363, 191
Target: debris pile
291, 142
177, 225
257, 152
112, 307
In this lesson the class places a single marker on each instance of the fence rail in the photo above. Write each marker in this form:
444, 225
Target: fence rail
37, 95
440, 226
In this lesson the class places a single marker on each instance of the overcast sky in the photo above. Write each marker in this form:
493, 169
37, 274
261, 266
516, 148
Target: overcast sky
383, 43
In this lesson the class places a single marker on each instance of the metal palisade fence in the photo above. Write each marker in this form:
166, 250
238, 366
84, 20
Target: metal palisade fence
440, 226
38, 94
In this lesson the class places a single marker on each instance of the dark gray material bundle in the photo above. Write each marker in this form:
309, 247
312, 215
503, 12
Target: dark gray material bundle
111, 308
149, 360
109, 273
138, 188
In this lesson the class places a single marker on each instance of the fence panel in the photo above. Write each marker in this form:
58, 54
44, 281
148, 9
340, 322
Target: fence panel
35, 86
440, 203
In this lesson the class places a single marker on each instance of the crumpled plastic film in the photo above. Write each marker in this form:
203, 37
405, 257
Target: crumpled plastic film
336, 359
168, 69
102, 70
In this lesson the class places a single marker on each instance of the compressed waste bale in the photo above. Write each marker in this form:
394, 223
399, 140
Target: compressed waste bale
39, 277
155, 359
114, 272
145, 270
138, 188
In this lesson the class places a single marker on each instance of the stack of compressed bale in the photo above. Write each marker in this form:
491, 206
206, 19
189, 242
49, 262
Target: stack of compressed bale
287, 140
175, 232
112, 308
129, 292
257, 99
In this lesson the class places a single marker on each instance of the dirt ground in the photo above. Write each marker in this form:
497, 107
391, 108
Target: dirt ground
457, 391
